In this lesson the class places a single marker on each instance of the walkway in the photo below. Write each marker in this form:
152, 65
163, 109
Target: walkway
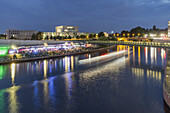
148, 44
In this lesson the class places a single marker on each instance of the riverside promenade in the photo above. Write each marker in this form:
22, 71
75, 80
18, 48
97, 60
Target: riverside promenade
28, 42
55, 56
163, 44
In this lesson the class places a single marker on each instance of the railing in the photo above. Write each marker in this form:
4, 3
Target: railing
150, 44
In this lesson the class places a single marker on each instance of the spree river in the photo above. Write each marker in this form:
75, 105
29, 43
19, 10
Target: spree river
129, 84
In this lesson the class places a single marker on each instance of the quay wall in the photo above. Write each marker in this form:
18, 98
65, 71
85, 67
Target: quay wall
28, 42
166, 84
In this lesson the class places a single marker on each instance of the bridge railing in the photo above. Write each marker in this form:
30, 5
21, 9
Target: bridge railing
150, 44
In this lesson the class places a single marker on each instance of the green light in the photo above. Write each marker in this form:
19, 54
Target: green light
4, 51
2, 71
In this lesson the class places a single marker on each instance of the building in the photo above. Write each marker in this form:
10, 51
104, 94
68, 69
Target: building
156, 33
168, 29
49, 34
20, 34
67, 30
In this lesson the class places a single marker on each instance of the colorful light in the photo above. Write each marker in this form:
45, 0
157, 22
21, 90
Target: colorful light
3, 51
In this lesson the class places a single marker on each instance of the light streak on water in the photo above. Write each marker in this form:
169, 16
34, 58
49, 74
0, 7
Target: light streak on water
87, 75
45, 68
13, 72
139, 55
94, 59
14, 104
146, 55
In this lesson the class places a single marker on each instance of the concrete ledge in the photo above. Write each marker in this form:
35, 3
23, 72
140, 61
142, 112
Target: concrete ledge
166, 97
28, 42
166, 83
56, 56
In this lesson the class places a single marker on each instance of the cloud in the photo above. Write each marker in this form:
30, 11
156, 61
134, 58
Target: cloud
165, 1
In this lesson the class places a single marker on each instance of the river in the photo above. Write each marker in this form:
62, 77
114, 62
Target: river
129, 84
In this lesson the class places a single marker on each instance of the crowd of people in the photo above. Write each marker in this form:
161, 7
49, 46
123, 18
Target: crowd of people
35, 54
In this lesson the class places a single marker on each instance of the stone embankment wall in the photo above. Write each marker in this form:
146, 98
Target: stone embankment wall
27, 42
166, 84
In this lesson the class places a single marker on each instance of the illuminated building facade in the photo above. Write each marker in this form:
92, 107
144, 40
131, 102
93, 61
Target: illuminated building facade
20, 34
66, 30
156, 32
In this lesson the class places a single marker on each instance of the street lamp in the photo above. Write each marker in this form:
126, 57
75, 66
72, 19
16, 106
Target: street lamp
123, 35
138, 34
133, 34
117, 34
128, 34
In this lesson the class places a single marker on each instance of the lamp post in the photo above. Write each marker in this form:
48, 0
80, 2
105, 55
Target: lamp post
133, 35
138, 34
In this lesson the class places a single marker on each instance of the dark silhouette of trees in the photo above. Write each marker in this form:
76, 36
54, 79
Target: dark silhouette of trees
91, 36
37, 36
138, 30
82, 36
101, 34
124, 33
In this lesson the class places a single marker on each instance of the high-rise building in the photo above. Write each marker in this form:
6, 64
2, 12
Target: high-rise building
168, 29
20, 34
67, 30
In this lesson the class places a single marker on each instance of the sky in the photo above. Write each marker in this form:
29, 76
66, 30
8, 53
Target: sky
89, 15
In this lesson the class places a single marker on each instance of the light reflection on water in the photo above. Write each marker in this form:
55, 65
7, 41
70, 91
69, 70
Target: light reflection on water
62, 85
14, 104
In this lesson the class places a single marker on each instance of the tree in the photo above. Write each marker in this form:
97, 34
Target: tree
69, 37
82, 36
91, 36
123, 33
33, 37
12, 37
138, 30
101, 34
47, 37
51, 37
37, 36
77, 36
154, 28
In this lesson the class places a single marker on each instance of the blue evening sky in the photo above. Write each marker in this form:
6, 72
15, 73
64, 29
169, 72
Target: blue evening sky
89, 15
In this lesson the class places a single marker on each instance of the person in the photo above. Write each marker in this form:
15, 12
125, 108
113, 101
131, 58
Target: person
14, 56
23, 55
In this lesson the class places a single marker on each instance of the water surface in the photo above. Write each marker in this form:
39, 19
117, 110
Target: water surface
129, 84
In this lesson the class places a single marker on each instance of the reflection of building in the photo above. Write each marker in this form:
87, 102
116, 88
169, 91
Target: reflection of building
20, 34
168, 29
67, 30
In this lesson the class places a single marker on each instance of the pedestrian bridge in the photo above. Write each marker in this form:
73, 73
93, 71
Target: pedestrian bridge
148, 44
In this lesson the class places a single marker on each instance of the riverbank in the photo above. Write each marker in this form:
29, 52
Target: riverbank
166, 84
28, 42
55, 56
